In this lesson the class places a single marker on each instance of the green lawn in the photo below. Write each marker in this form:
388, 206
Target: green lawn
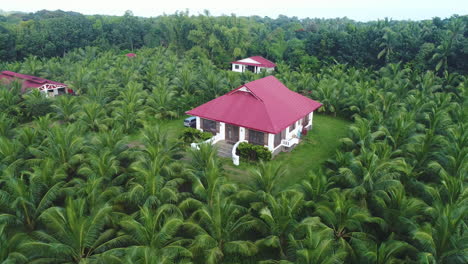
319, 145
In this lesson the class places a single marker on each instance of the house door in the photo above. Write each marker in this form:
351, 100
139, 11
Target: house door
232, 133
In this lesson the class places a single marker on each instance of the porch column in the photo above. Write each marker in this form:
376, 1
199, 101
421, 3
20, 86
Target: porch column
271, 141
242, 133
311, 117
222, 131
198, 123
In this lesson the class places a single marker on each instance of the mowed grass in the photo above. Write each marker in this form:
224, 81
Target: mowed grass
319, 145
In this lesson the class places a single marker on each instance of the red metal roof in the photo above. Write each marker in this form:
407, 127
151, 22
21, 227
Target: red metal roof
28, 80
130, 55
266, 105
262, 62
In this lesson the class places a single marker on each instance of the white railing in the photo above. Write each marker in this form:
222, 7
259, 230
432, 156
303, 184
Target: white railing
289, 142
235, 158
210, 141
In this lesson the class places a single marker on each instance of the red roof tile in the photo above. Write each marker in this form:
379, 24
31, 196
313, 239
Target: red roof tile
262, 62
267, 105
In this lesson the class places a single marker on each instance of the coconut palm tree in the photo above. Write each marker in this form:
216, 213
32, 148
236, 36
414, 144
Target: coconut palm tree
315, 243
443, 241
403, 212
24, 199
219, 227
93, 116
152, 184
265, 177
315, 187
10, 247
65, 144
153, 234
388, 44
75, 234
389, 251
279, 220
66, 108
347, 221
162, 102
372, 173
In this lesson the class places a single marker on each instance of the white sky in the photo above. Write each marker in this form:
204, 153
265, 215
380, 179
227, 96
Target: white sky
362, 10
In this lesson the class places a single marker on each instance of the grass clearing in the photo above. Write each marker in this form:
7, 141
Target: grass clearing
319, 145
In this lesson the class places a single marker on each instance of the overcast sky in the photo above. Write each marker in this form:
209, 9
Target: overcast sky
362, 10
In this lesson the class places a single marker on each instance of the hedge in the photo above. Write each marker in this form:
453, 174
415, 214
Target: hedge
194, 135
253, 152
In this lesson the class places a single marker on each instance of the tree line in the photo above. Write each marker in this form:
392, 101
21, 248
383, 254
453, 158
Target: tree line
437, 44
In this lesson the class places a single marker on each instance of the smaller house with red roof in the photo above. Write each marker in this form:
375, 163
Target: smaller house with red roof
28, 82
263, 112
254, 64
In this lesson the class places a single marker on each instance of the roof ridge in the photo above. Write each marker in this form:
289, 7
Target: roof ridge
269, 117
250, 90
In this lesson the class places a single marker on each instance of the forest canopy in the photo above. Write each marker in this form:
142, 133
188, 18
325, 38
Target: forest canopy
438, 44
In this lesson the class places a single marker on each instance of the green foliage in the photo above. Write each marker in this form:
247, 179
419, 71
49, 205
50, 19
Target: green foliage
254, 152
310, 42
35, 105
191, 134
102, 177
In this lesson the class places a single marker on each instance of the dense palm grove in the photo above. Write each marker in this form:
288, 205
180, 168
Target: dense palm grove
95, 178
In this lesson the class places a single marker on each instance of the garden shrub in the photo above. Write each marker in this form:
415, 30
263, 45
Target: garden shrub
253, 152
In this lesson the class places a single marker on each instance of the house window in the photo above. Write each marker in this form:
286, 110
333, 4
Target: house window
256, 137
278, 138
209, 126
292, 127
305, 120
236, 66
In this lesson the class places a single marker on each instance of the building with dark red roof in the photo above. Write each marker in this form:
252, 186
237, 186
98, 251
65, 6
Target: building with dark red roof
263, 112
254, 64
28, 82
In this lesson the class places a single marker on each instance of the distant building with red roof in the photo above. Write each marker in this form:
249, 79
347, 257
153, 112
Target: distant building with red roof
130, 55
263, 112
254, 64
50, 88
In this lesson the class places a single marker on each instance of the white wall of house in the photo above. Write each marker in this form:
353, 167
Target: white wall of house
240, 67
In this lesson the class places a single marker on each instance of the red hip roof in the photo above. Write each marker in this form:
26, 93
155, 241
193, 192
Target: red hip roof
265, 105
28, 80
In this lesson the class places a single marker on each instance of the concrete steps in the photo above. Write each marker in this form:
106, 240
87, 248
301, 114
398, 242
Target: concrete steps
224, 149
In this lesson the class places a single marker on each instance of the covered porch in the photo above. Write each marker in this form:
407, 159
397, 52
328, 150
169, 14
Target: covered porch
232, 135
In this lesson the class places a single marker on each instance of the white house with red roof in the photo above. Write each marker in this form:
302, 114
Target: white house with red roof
254, 64
263, 112
48, 87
